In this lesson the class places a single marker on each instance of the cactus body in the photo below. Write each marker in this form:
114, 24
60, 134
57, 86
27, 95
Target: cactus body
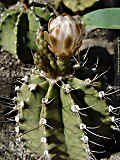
18, 28
73, 120
30, 111
7, 24
65, 123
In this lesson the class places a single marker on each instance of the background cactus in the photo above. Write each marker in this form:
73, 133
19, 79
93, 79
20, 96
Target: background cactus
21, 35
78, 5
65, 110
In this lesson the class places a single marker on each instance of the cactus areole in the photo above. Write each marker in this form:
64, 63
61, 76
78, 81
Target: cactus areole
64, 35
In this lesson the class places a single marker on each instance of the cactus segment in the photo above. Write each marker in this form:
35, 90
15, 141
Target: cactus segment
8, 38
34, 25
76, 83
75, 147
29, 112
42, 13
97, 117
77, 5
51, 111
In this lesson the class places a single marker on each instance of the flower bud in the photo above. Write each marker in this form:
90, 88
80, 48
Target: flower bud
65, 35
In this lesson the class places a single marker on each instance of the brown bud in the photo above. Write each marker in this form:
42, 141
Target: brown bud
65, 35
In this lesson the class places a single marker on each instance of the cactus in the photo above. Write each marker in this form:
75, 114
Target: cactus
75, 109
68, 119
65, 110
21, 35
77, 5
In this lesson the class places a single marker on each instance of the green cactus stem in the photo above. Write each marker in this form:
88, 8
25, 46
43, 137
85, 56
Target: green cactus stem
36, 109
53, 131
96, 113
18, 28
29, 106
7, 24
71, 120
65, 118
